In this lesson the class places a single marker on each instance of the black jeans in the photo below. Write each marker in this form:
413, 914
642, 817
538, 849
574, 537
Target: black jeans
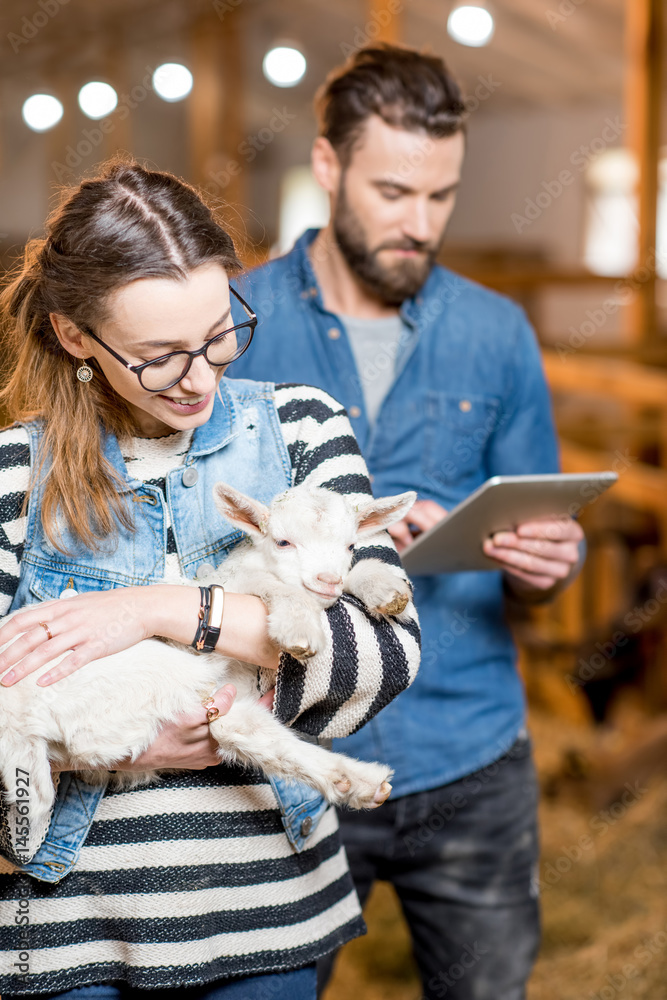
463, 860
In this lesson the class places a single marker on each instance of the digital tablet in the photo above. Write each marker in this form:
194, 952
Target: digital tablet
501, 503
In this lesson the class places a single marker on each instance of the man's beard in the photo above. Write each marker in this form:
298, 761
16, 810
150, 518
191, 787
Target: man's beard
392, 284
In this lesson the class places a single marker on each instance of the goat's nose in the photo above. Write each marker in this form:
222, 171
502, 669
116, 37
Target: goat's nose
329, 578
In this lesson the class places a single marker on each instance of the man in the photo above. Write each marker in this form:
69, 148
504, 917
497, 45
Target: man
443, 381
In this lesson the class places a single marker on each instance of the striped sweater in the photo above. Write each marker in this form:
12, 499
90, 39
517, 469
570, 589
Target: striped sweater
193, 879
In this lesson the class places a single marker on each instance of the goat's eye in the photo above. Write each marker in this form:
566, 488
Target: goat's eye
282, 543
351, 547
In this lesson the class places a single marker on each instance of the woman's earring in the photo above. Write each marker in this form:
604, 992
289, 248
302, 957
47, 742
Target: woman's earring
84, 373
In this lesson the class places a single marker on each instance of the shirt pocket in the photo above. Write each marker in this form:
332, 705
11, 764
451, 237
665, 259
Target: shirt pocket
458, 428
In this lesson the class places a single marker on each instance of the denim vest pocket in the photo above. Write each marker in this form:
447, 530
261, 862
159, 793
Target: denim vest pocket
46, 583
458, 427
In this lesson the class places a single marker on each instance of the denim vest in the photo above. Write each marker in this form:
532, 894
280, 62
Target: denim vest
241, 444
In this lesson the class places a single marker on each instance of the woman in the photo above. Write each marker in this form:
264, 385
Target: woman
117, 332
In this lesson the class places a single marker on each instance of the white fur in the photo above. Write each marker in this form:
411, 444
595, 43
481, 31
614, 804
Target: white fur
114, 707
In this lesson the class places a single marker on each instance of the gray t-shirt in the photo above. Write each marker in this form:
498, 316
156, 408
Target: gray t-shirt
376, 344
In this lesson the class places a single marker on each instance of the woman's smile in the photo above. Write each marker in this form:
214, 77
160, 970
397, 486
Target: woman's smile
187, 404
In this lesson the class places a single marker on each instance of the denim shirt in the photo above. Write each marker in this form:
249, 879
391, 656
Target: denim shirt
468, 401
241, 443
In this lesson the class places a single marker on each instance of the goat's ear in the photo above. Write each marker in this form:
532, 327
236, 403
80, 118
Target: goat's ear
374, 515
245, 513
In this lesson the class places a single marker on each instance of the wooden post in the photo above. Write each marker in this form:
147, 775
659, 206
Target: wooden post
216, 109
570, 610
643, 84
386, 14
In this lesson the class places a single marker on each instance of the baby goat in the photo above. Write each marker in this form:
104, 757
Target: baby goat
297, 558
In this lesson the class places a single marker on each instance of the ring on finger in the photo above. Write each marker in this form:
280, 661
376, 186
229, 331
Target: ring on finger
212, 712
46, 629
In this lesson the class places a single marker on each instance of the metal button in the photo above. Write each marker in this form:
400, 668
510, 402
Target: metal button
69, 592
355, 411
334, 333
306, 826
205, 570
465, 406
190, 476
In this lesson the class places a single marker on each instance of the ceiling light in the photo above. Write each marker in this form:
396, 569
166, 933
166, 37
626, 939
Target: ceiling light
284, 66
97, 100
41, 112
471, 24
172, 81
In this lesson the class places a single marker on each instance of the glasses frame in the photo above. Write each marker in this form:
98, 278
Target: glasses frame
138, 369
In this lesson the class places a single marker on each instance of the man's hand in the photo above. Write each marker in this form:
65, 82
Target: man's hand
421, 516
538, 555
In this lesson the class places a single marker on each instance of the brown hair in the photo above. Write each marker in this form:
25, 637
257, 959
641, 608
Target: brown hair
406, 88
125, 224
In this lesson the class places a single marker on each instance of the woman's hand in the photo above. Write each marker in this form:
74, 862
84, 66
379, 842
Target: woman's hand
186, 742
89, 625
107, 621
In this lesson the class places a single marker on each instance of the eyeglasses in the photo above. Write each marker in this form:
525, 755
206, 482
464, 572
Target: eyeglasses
166, 371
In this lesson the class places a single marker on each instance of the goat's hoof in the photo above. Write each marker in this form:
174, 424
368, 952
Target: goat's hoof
360, 785
395, 606
301, 652
382, 794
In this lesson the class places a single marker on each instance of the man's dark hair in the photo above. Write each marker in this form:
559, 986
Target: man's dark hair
406, 88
